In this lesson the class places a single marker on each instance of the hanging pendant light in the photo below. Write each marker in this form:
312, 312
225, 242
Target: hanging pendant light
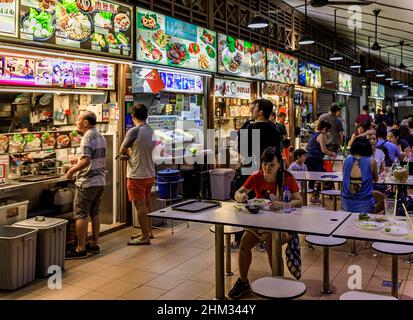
380, 74
355, 64
376, 46
258, 22
369, 69
305, 39
335, 56
389, 76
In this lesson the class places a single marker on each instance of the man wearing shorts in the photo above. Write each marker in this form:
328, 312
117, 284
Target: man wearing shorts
90, 184
138, 146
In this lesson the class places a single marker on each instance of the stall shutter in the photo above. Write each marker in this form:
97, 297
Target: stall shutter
324, 101
354, 111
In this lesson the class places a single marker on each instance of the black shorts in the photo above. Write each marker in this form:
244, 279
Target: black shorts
87, 201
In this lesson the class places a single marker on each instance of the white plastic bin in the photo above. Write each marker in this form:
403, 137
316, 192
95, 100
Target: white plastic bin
51, 242
220, 180
17, 256
13, 213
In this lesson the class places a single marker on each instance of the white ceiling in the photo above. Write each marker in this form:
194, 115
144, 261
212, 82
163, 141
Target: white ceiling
395, 23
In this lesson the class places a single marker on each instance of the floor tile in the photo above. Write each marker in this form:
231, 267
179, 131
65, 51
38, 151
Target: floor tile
173, 295
117, 288
95, 295
144, 293
138, 277
193, 288
92, 282
164, 282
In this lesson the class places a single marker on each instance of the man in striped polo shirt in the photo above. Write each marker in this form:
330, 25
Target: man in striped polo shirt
90, 184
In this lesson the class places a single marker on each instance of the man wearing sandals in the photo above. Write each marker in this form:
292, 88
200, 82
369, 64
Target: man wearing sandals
138, 147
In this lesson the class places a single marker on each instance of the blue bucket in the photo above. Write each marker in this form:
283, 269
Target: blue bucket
168, 182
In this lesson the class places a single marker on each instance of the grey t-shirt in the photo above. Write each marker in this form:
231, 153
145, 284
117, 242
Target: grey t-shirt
93, 146
140, 163
333, 138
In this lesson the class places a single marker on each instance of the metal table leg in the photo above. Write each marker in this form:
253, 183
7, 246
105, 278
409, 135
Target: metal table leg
326, 271
304, 192
277, 259
353, 251
409, 260
395, 276
219, 262
228, 271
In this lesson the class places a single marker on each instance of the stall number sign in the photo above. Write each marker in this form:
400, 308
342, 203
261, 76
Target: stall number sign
233, 89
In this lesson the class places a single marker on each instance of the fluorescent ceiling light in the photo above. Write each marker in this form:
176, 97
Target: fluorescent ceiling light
21, 90
380, 75
336, 57
395, 82
306, 40
355, 65
369, 69
389, 79
258, 22
328, 82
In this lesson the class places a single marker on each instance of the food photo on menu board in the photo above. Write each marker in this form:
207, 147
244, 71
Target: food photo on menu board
241, 58
55, 73
344, 82
4, 143
8, 18
17, 71
281, 67
168, 41
309, 75
33, 142
48, 140
91, 25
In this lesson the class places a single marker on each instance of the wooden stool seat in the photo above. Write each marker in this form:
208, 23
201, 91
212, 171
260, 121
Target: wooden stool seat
278, 288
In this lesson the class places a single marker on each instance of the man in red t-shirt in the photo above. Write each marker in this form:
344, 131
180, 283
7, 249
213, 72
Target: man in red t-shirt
364, 117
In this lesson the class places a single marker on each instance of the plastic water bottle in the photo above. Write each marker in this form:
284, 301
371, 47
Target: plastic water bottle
286, 200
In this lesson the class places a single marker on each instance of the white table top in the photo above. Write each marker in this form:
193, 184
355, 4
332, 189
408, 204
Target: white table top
317, 176
338, 158
349, 229
303, 220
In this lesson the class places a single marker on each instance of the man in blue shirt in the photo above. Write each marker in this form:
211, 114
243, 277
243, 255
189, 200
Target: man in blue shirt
392, 149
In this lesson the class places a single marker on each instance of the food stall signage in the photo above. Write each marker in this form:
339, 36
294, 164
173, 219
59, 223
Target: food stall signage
309, 74
171, 42
329, 79
377, 91
233, 89
276, 89
345, 83
9, 18
281, 67
242, 58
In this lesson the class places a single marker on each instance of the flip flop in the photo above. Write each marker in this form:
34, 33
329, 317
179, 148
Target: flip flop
138, 242
138, 236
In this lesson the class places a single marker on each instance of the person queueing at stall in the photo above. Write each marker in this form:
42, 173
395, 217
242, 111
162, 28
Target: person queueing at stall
138, 147
269, 183
90, 184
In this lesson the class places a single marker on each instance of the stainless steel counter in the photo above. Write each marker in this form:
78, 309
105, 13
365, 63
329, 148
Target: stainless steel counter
16, 185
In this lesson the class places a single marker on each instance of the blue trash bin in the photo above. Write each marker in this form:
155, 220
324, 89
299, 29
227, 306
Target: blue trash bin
168, 183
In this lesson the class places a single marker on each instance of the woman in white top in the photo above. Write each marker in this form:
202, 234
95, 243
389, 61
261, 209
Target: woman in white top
378, 154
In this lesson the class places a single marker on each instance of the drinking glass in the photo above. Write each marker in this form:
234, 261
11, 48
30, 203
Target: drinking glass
389, 206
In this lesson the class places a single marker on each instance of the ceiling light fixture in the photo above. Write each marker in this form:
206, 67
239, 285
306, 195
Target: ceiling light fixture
369, 69
335, 56
376, 46
380, 74
258, 22
305, 39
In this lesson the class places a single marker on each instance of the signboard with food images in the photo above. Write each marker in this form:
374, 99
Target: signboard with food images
33, 142
167, 41
17, 71
281, 67
75, 138
276, 89
48, 140
309, 74
16, 143
242, 58
377, 90
63, 139
344, 83
9, 18
4, 143
85, 25
330, 79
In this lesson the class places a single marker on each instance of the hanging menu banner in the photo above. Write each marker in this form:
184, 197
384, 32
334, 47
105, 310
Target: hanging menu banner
329, 79
9, 18
232, 89
242, 58
309, 74
82, 25
281, 67
58, 73
344, 83
168, 41
377, 91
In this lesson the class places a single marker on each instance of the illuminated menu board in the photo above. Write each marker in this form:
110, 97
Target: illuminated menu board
9, 18
242, 58
345, 84
377, 90
168, 41
281, 67
309, 74
58, 73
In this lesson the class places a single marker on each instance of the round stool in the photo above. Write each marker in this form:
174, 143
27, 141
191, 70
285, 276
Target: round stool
395, 250
331, 193
363, 295
228, 230
326, 243
278, 288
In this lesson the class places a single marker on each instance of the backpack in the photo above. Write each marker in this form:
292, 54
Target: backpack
387, 160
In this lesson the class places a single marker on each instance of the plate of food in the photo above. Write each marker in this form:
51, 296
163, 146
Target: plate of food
232, 61
47, 5
148, 21
74, 23
395, 231
111, 40
48, 140
75, 138
149, 51
207, 38
194, 49
259, 202
38, 23
103, 19
211, 52
370, 225
123, 41
16, 143
99, 40
203, 61
161, 39
122, 21
63, 140
33, 142
4, 143
177, 54
84, 5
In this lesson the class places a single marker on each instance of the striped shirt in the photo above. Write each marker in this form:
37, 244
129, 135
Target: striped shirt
93, 146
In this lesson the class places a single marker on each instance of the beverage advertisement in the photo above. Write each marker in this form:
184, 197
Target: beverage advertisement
242, 58
309, 74
377, 90
171, 42
86, 25
9, 18
344, 83
281, 67
17, 71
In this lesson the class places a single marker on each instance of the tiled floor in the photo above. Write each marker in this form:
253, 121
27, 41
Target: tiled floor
181, 266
